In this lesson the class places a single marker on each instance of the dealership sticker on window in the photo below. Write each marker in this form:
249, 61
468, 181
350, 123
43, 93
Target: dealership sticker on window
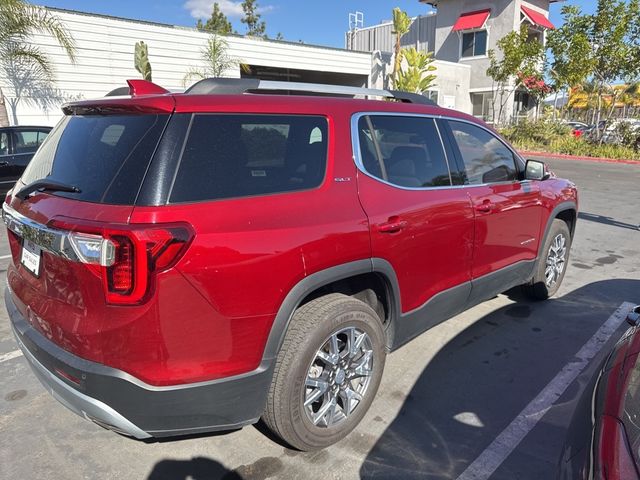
31, 254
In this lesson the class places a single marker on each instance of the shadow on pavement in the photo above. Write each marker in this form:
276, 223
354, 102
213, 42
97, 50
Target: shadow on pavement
483, 378
591, 217
198, 468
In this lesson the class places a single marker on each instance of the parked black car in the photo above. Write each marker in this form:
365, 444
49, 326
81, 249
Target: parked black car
603, 441
17, 146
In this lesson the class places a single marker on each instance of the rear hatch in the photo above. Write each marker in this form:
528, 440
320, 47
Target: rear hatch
71, 242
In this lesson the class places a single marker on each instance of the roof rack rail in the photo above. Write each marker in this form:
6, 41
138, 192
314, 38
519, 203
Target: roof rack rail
227, 86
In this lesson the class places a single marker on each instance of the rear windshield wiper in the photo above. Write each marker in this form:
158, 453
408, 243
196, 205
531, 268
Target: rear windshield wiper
42, 185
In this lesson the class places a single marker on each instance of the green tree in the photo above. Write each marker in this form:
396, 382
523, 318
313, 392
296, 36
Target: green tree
615, 37
417, 77
216, 61
255, 27
401, 25
519, 58
218, 22
25, 66
141, 60
571, 52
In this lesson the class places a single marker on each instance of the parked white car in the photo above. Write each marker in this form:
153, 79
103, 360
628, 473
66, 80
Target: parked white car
612, 131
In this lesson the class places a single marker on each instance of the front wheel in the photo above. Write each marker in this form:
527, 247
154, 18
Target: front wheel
327, 372
552, 264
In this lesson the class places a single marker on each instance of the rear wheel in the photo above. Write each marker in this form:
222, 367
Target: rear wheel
327, 372
552, 264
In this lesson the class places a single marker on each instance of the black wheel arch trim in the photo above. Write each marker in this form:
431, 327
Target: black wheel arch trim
561, 207
320, 279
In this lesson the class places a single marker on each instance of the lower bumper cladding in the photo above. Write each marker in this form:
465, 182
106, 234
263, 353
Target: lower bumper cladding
120, 402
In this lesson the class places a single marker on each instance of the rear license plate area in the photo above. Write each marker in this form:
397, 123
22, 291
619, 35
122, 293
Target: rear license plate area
31, 257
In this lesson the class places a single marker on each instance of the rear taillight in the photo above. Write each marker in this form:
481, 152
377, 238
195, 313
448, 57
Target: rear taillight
126, 258
614, 458
120, 274
139, 254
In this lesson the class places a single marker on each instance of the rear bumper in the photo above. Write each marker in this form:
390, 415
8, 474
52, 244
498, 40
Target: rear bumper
118, 401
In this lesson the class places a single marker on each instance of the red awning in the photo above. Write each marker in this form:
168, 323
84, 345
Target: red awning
471, 20
537, 18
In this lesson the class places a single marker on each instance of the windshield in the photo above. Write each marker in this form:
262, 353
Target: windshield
104, 156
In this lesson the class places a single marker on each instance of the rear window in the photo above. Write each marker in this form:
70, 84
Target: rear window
229, 156
105, 156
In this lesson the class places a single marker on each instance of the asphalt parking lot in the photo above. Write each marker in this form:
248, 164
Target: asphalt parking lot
487, 394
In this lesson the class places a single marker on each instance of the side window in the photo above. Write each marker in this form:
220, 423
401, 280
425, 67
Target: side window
228, 156
486, 158
25, 141
4, 143
404, 151
41, 137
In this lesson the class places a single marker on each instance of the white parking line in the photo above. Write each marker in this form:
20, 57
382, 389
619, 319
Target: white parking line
8, 356
496, 453
4, 257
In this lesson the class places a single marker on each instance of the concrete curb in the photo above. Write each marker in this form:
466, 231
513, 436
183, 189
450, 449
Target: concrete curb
575, 157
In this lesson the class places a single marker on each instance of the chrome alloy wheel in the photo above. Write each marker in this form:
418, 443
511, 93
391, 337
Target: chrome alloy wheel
338, 377
556, 259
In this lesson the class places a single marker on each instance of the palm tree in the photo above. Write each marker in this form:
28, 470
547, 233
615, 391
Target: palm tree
630, 97
216, 59
24, 64
401, 25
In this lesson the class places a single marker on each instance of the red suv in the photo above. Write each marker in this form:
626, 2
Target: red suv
192, 262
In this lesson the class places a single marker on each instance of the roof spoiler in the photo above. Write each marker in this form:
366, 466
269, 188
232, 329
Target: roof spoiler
137, 88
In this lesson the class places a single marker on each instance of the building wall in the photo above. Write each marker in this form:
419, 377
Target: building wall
105, 60
452, 80
421, 35
501, 21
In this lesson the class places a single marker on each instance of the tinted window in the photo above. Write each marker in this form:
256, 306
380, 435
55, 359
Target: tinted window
480, 43
25, 141
410, 150
242, 155
467, 44
486, 158
106, 157
42, 136
4, 143
474, 43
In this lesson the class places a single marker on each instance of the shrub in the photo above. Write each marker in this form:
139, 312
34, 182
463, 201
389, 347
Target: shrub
555, 137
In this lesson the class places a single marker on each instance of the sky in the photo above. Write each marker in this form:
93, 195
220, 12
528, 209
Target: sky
313, 22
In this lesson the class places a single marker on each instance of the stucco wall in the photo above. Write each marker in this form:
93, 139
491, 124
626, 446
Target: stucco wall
501, 21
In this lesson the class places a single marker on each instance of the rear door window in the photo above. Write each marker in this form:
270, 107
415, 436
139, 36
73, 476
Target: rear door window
105, 156
228, 156
25, 141
404, 151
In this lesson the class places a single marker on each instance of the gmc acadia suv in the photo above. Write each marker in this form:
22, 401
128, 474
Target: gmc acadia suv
192, 262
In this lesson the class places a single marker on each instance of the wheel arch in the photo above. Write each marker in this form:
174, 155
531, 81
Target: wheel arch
356, 279
566, 211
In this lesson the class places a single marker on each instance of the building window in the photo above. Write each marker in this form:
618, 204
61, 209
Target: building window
474, 44
482, 105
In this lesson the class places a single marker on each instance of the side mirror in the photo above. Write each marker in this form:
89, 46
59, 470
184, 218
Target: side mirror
536, 170
633, 318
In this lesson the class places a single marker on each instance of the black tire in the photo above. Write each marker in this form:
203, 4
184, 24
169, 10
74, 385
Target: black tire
538, 288
312, 326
